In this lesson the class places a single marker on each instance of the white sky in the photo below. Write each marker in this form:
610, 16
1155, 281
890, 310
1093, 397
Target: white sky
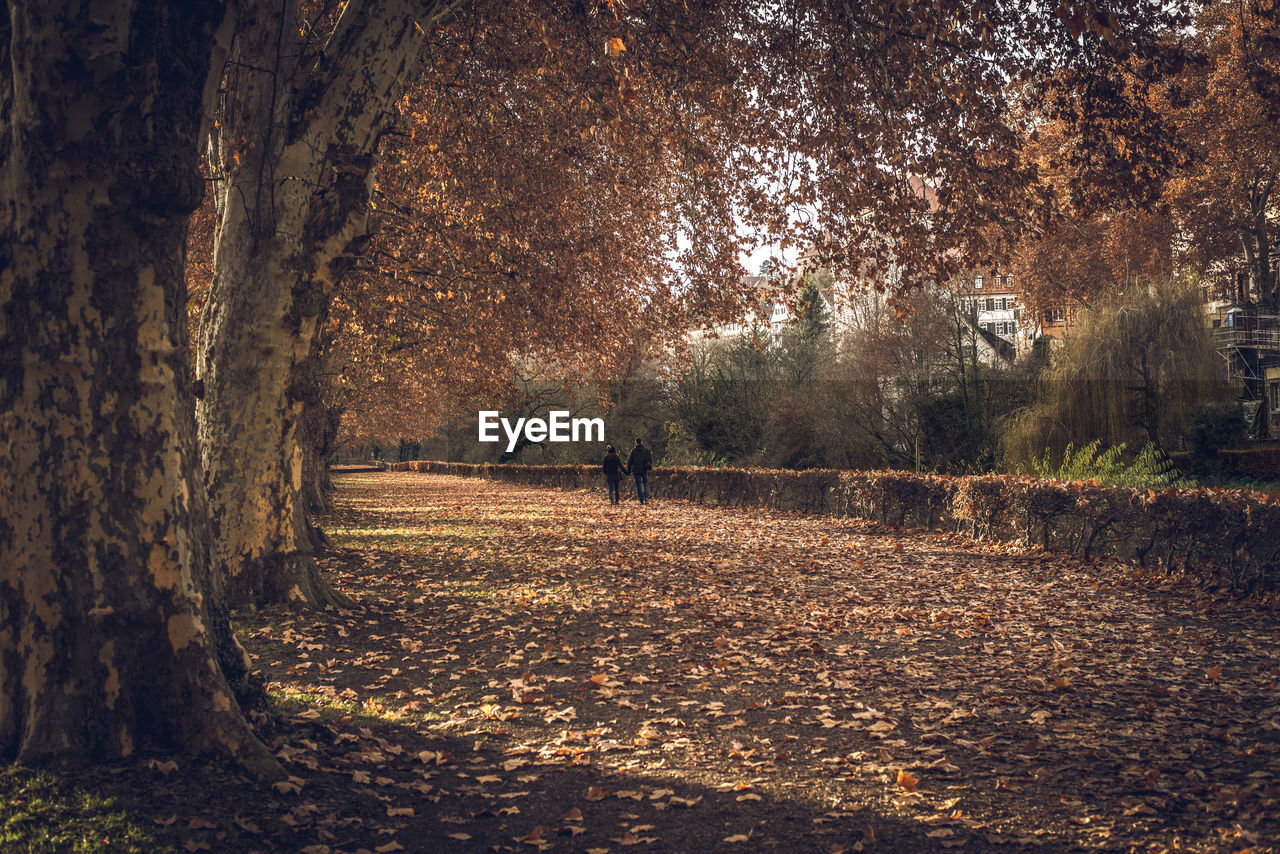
753, 261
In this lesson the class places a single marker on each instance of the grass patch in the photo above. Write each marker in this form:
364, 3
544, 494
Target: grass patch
293, 703
40, 812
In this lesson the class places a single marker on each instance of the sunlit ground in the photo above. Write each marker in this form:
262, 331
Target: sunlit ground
814, 682
533, 670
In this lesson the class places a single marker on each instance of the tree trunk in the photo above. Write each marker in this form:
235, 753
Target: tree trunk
106, 637
320, 423
292, 161
1264, 281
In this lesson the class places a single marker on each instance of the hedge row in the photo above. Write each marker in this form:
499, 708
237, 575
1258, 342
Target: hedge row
1200, 531
1252, 462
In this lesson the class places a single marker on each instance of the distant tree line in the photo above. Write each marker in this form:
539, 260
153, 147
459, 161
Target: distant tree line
902, 385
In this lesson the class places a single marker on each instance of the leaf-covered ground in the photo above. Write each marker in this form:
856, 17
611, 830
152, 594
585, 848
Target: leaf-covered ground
688, 678
531, 669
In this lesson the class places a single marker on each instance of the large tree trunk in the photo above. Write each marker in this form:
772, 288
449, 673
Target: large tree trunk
317, 435
106, 637
1258, 248
292, 161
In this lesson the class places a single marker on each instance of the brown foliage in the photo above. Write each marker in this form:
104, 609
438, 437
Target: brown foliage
1178, 174
568, 183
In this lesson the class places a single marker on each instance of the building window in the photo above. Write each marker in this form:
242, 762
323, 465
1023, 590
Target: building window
1055, 315
977, 283
1274, 389
991, 304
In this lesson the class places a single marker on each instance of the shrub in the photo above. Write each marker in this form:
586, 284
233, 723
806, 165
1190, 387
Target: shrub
683, 450
1252, 462
1150, 469
1215, 426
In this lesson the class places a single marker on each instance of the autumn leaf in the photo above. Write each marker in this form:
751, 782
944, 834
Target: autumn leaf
293, 785
855, 710
533, 837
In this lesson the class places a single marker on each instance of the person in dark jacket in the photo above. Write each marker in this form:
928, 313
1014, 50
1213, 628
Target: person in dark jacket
613, 472
638, 464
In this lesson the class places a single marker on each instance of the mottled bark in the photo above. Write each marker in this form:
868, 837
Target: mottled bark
292, 159
1257, 244
317, 434
105, 627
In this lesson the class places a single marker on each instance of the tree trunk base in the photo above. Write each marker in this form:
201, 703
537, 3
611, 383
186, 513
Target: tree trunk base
291, 579
249, 690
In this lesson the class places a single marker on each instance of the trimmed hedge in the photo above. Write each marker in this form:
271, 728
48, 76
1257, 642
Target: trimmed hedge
1261, 463
1199, 531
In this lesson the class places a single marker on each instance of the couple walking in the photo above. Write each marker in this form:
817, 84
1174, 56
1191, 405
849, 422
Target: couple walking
638, 465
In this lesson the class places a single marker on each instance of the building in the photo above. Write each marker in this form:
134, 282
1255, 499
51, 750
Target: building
993, 307
1248, 339
1272, 377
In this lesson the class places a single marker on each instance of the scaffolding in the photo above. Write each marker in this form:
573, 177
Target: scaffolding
1249, 343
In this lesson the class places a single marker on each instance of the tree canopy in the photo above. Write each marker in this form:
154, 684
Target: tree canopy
557, 169
569, 180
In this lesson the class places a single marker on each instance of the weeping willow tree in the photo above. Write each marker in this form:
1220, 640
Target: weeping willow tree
1133, 371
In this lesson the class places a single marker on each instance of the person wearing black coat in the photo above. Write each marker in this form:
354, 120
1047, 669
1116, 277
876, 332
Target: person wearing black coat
638, 464
613, 472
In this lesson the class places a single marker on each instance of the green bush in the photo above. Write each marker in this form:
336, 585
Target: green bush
1150, 469
1215, 426
683, 450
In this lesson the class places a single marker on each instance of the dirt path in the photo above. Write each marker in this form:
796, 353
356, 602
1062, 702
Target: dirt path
531, 669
